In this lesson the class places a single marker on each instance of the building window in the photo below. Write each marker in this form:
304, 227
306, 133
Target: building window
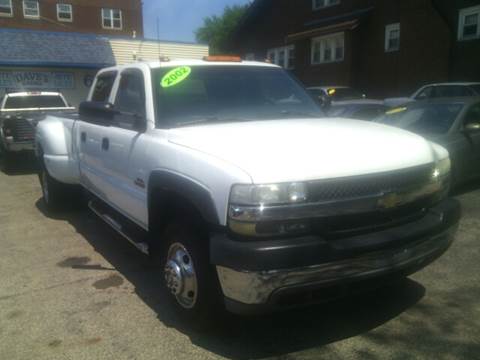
6, 8
320, 4
64, 12
112, 19
250, 57
392, 37
31, 9
469, 23
283, 56
328, 49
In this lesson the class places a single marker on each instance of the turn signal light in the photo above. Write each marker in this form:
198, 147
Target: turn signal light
223, 58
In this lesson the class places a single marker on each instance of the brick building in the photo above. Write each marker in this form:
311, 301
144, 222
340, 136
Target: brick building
109, 17
383, 47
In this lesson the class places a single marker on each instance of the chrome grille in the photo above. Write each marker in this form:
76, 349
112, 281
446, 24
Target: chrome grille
369, 185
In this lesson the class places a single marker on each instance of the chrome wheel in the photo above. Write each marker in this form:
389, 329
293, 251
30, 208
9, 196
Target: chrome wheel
45, 186
180, 276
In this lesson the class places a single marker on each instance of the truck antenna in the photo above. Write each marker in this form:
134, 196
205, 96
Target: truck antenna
158, 40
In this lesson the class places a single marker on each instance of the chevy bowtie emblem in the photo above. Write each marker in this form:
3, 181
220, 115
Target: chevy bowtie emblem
389, 201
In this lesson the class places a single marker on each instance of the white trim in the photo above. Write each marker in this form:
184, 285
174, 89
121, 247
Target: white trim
64, 12
11, 10
389, 29
112, 19
463, 13
327, 4
322, 43
31, 16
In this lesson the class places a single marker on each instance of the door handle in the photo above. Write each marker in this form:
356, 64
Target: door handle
83, 136
105, 144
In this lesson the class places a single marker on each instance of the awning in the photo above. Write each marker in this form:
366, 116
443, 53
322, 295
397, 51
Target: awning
330, 25
31, 48
348, 25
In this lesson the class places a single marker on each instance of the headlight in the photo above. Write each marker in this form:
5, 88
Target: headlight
272, 194
442, 168
248, 203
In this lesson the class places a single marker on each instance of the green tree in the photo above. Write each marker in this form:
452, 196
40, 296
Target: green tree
216, 30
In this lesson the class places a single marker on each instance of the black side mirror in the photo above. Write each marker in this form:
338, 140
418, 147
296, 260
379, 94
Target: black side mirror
97, 112
472, 127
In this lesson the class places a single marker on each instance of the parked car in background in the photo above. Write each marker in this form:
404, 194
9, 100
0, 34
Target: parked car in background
451, 122
363, 109
226, 173
440, 90
19, 114
327, 95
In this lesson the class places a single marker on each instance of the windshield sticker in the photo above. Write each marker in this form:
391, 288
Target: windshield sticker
176, 76
396, 110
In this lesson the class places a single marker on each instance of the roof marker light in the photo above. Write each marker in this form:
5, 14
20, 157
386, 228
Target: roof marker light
222, 58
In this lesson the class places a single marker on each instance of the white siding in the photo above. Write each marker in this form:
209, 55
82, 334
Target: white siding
128, 51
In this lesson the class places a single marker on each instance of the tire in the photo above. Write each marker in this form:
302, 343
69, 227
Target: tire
57, 195
6, 161
188, 279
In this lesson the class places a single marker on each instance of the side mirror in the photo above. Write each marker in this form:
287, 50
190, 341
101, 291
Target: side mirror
97, 112
472, 127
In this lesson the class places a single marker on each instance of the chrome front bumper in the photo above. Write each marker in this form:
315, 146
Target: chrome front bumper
257, 287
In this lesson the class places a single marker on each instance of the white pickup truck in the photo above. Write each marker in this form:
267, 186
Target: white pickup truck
246, 197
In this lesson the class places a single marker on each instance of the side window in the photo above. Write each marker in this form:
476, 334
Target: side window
425, 93
131, 93
103, 87
473, 115
452, 91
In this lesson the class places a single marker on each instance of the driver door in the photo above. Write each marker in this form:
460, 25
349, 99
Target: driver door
122, 154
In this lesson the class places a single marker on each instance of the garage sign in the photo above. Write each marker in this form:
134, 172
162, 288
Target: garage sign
36, 80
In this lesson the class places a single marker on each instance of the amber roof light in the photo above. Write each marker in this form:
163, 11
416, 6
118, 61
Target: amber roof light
223, 58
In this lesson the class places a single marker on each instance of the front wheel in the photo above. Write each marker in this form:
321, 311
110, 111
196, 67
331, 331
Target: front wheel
186, 274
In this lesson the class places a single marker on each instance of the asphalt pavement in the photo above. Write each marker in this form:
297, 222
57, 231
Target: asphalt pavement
70, 288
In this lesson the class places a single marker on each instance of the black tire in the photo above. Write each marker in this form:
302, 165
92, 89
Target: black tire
6, 161
205, 303
57, 195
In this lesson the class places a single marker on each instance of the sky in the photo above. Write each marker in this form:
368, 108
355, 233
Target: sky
178, 19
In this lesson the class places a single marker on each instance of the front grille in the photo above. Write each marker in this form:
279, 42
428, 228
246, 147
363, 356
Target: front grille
341, 226
369, 185
20, 129
351, 225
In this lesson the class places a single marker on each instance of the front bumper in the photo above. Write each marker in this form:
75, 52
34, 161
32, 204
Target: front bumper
255, 275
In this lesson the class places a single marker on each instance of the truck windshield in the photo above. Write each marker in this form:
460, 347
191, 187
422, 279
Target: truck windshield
423, 119
206, 94
34, 102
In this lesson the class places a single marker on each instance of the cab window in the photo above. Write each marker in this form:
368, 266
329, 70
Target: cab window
130, 100
103, 87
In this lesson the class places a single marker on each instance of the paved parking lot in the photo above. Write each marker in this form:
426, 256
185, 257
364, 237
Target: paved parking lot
72, 289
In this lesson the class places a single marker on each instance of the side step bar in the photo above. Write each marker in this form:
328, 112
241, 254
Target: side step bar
103, 213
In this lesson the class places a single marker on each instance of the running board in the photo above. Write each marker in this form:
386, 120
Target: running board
102, 213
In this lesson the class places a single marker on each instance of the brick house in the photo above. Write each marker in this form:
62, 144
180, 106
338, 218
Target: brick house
383, 47
109, 17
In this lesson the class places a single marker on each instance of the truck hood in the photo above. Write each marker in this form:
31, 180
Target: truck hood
309, 149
